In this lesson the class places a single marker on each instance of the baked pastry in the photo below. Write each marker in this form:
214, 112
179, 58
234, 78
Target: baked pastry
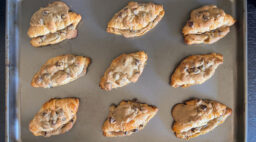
207, 37
60, 70
123, 70
195, 69
135, 19
53, 24
126, 118
197, 117
207, 25
55, 117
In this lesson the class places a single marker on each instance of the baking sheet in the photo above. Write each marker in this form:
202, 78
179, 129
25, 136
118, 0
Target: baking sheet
165, 48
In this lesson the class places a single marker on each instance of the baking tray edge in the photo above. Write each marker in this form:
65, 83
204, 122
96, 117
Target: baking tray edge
12, 130
242, 82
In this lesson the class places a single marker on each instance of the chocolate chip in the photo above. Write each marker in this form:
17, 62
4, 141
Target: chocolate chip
141, 126
134, 99
136, 73
136, 62
205, 17
135, 130
190, 70
135, 108
190, 23
63, 32
72, 120
203, 107
116, 75
200, 67
53, 122
143, 109
134, 9
120, 14
193, 129
44, 114
63, 16
44, 133
203, 11
125, 132
58, 64
111, 120
124, 60
45, 13
219, 32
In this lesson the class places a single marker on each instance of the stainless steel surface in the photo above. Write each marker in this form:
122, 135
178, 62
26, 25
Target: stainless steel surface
165, 48
12, 107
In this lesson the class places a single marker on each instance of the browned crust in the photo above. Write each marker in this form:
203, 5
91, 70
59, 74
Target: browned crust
179, 78
141, 55
197, 29
70, 108
130, 33
80, 60
37, 42
49, 24
178, 127
207, 37
115, 130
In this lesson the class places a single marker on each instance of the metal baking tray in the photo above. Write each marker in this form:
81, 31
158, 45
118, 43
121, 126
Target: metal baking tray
165, 48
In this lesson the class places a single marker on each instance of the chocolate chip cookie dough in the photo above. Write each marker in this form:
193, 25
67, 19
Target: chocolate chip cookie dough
53, 24
195, 69
123, 70
207, 25
60, 70
197, 117
127, 118
57, 116
136, 19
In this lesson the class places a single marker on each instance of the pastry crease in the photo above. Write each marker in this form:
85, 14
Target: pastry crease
136, 19
127, 118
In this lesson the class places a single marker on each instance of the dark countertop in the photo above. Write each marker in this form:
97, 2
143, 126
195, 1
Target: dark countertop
2, 70
251, 70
